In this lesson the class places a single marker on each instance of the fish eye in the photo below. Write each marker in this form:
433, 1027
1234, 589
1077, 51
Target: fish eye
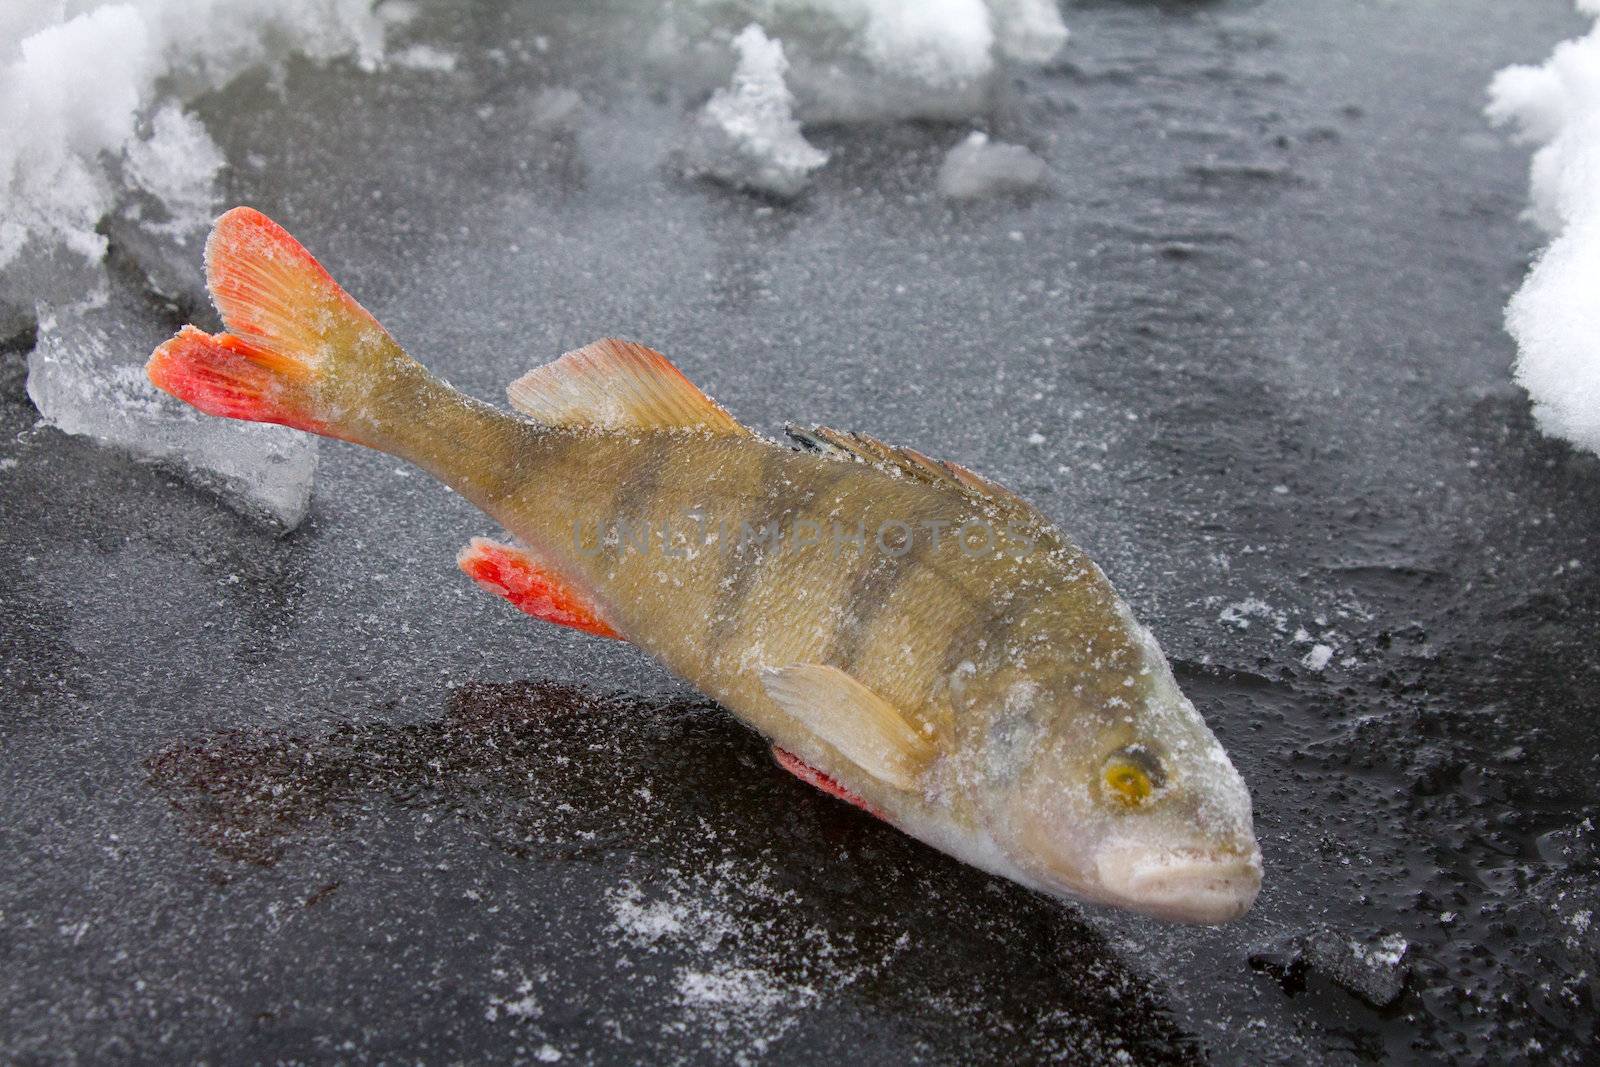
1132, 775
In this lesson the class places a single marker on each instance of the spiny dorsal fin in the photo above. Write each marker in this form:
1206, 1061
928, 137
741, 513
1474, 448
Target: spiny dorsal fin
617, 385
866, 729
911, 463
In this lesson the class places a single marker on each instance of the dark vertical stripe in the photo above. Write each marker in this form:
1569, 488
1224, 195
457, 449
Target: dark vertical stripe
742, 568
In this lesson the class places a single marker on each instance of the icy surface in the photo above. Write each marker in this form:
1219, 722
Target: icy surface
317, 798
1555, 316
747, 135
979, 167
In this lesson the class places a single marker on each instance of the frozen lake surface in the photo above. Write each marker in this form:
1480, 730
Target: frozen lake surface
316, 797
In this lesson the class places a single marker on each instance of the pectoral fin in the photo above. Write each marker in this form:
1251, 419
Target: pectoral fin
865, 728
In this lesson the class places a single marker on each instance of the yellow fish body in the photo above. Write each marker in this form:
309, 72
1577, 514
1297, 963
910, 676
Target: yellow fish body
910, 636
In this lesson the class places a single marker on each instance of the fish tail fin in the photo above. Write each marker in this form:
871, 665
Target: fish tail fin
298, 351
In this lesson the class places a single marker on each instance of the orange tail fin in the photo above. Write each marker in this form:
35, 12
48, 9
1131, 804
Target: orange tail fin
296, 342
223, 375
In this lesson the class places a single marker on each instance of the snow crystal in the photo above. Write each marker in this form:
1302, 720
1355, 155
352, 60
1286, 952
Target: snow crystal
747, 135
1317, 658
743, 984
522, 1004
979, 167
178, 164
425, 57
1239, 614
1554, 316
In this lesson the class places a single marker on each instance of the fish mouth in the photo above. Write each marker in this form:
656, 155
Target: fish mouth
1182, 885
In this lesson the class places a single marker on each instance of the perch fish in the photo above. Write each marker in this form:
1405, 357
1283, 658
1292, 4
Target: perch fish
908, 635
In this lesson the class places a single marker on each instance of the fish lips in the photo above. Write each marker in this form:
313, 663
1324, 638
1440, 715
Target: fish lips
1180, 885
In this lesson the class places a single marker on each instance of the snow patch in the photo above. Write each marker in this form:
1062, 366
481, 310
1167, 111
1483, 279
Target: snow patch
1555, 317
878, 60
736, 978
1317, 659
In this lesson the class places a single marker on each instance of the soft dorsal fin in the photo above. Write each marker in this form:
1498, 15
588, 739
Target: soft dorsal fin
911, 463
618, 385
865, 728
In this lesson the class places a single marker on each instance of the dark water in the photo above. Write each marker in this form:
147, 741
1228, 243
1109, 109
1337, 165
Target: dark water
316, 798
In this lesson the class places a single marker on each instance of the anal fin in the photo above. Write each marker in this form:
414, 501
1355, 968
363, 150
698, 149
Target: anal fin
516, 576
811, 776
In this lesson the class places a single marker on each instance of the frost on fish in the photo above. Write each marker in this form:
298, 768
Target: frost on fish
1555, 316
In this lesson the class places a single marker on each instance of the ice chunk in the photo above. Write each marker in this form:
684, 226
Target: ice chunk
747, 134
979, 167
1555, 317
93, 127
86, 376
57, 128
1374, 969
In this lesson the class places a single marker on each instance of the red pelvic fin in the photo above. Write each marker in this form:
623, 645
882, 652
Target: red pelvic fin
515, 575
811, 776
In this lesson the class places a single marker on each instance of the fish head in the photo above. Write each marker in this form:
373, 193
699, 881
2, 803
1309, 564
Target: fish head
1118, 794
